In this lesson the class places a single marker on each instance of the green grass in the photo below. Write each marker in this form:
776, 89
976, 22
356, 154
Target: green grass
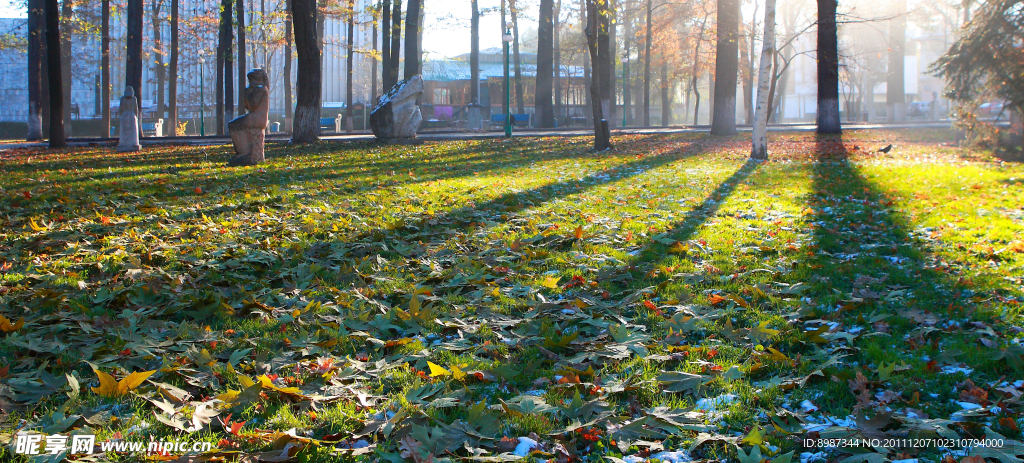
520, 267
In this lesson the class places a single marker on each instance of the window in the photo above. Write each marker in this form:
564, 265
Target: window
441, 96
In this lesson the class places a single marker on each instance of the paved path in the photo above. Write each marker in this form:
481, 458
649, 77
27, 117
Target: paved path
452, 135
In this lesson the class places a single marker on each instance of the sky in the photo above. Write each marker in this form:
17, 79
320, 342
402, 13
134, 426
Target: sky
447, 25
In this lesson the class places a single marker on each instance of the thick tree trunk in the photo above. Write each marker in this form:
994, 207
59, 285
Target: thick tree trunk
602, 136
828, 69
227, 107
240, 21
65, 63
288, 65
726, 64
57, 139
349, 61
520, 100
396, 46
172, 90
556, 57
759, 142
895, 93
35, 59
306, 128
545, 66
158, 56
133, 62
474, 53
647, 69
412, 35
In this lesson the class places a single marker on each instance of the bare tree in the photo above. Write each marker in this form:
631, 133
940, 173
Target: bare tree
306, 128
57, 139
726, 68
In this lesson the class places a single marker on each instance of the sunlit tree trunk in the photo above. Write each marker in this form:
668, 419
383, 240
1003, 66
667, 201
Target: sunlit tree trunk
828, 69
602, 136
306, 128
759, 148
172, 90
726, 60
349, 61
57, 139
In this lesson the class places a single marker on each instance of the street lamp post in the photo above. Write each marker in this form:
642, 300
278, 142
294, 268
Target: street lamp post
507, 39
625, 70
202, 99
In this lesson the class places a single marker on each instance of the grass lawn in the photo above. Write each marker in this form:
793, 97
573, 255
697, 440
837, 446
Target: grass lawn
501, 300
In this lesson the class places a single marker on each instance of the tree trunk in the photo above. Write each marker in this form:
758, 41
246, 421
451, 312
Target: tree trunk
288, 64
349, 72
133, 62
227, 63
759, 142
627, 110
545, 64
412, 45
647, 69
895, 94
57, 139
724, 118
240, 21
373, 70
306, 128
609, 78
696, 70
604, 50
158, 56
828, 69
36, 57
586, 61
474, 53
65, 63
556, 57
602, 136
385, 51
172, 90
666, 102
396, 46
520, 100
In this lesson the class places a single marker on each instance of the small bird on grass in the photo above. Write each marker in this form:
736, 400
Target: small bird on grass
885, 150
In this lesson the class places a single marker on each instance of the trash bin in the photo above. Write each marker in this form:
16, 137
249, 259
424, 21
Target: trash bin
275, 127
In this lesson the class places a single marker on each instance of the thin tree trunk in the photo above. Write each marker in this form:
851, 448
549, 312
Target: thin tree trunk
65, 63
306, 128
396, 46
227, 62
373, 70
350, 73
602, 137
828, 69
666, 102
520, 100
385, 52
545, 66
605, 51
696, 69
288, 65
412, 46
35, 59
759, 141
724, 117
172, 90
586, 61
474, 53
158, 55
627, 110
240, 21
57, 139
647, 69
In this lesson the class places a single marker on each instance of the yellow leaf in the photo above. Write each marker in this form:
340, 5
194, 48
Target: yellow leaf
436, 370
777, 355
550, 282
7, 327
756, 437
678, 248
108, 385
35, 227
246, 381
457, 373
133, 381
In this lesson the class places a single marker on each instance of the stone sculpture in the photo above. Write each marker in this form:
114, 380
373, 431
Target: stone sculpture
397, 115
128, 113
248, 131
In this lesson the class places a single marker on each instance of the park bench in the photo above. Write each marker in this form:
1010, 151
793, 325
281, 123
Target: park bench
520, 121
153, 129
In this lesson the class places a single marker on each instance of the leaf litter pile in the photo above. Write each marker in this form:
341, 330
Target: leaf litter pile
502, 300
